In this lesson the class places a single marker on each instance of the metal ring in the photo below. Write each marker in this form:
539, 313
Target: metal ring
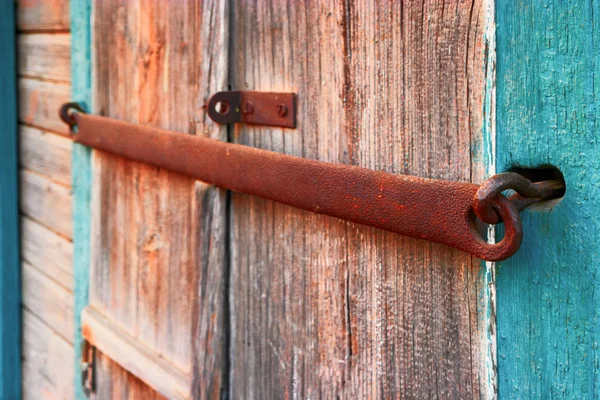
490, 191
513, 235
67, 113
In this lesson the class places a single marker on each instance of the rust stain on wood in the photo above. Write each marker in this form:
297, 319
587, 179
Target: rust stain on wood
325, 308
158, 247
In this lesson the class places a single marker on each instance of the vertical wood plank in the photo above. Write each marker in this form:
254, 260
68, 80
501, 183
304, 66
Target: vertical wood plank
548, 113
324, 308
10, 308
158, 244
81, 91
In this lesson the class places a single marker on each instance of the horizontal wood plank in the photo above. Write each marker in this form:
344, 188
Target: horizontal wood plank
116, 383
45, 56
46, 202
131, 354
51, 302
39, 102
43, 15
48, 371
47, 251
46, 153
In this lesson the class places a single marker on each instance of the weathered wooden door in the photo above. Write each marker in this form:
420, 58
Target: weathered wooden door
196, 292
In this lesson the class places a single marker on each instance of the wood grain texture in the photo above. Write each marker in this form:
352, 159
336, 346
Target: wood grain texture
43, 15
46, 202
45, 56
548, 113
39, 102
46, 357
10, 318
158, 250
48, 300
47, 251
134, 356
46, 154
116, 383
324, 308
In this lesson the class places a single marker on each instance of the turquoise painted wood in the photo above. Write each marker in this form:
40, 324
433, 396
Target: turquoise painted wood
81, 75
10, 279
548, 112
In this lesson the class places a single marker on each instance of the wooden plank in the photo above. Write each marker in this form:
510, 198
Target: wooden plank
47, 203
10, 319
132, 355
48, 372
48, 300
43, 15
39, 102
324, 308
548, 57
158, 250
46, 154
81, 68
117, 383
47, 251
45, 56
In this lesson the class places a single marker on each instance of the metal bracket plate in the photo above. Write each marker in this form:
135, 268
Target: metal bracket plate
258, 108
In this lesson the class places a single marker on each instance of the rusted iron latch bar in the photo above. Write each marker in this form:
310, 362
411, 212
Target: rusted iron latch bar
436, 210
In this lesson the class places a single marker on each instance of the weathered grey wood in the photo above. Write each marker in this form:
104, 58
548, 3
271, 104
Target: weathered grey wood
324, 308
46, 154
48, 300
158, 250
39, 102
46, 202
43, 15
134, 356
46, 360
46, 56
47, 251
116, 383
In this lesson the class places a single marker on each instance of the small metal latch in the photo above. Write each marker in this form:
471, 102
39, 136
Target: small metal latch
258, 108
88, 368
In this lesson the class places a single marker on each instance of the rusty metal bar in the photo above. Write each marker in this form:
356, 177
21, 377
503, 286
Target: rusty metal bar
435, 210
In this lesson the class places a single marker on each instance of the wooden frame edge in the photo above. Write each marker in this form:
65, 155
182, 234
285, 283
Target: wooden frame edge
10, 268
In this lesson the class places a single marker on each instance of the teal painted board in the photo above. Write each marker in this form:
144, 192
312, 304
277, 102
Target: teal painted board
10, 279
548, 112
81, 81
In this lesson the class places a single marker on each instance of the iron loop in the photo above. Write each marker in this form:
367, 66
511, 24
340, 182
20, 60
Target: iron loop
527, 193
513, 231
67, 113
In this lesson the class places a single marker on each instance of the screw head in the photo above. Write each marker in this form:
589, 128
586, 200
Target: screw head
282, 110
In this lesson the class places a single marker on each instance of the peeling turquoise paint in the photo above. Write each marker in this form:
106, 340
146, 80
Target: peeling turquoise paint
10, 278
81, 70
548, 99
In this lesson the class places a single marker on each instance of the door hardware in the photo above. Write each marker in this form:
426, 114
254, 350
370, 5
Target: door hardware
88, 367
436, 210
249, 107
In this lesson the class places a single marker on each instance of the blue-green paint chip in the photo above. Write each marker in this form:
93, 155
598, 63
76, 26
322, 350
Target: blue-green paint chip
10, 277
81, 14
548, 112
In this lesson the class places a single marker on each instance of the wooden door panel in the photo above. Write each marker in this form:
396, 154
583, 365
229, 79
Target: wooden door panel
256, 297
157, 245
116, 383
327, 308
